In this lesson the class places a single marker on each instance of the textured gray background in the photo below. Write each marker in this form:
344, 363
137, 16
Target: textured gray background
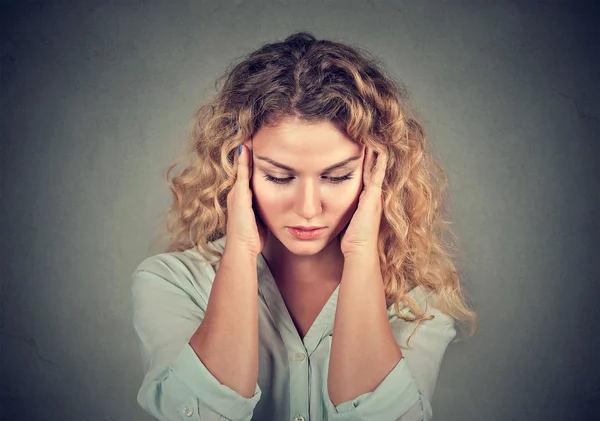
97, 98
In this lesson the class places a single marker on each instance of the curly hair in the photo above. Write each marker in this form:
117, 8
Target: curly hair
314, 81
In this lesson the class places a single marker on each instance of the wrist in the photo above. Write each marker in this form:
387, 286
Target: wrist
238, 253
366, 255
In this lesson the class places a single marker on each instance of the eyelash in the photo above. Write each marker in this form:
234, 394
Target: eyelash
334, 180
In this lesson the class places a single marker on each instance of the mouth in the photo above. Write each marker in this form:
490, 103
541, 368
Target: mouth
306, 234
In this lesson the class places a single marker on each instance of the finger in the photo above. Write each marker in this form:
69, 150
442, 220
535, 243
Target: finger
242, 165
379, 171
230, 196
373, 195
367, 166
249, 159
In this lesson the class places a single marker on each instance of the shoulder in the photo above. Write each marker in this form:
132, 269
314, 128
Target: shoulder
184, 270
427, 301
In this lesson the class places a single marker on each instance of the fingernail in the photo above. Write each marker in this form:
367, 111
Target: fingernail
240, 150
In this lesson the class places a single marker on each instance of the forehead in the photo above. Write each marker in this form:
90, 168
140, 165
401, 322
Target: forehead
303, 145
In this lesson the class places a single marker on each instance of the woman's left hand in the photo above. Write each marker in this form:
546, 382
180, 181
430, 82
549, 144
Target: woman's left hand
362, 233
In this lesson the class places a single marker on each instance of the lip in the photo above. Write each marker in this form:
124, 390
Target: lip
303, 234
309, 228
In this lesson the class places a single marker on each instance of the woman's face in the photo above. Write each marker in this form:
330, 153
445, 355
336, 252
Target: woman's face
308, 193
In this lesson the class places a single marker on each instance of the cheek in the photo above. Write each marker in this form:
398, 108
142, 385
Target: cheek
267, 198
344, 198
352, 188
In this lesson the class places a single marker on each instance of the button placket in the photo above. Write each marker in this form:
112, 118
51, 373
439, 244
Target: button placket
299, 376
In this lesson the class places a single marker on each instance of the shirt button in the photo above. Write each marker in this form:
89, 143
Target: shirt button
300, 356
299, 418
188, 411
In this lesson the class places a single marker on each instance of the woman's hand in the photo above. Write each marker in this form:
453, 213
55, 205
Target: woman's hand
362, 233
245, 230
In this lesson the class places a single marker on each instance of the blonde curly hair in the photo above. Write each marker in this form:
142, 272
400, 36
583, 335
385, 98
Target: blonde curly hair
321, 80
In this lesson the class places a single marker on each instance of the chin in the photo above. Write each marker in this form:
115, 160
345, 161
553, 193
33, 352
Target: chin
305, 250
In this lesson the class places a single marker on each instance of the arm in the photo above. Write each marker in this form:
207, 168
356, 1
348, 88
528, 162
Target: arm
363, 349
171, 323
221, 336
376, 391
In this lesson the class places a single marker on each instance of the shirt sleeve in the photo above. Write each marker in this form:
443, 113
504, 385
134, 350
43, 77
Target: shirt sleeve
405, 394
176, 384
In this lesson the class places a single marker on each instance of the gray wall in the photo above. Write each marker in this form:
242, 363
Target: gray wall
97, 98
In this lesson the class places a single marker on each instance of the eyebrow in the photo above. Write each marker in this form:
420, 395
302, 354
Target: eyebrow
326, 170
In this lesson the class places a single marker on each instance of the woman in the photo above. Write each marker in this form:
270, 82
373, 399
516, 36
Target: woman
348, 321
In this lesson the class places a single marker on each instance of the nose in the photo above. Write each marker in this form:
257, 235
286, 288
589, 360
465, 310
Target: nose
307, 203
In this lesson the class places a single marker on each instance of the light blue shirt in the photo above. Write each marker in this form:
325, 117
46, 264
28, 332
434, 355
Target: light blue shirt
170, 293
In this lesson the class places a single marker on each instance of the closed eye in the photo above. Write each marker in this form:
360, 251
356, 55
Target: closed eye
333, 180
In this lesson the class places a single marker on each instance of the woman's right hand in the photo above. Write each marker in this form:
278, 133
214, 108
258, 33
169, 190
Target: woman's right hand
245, 232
